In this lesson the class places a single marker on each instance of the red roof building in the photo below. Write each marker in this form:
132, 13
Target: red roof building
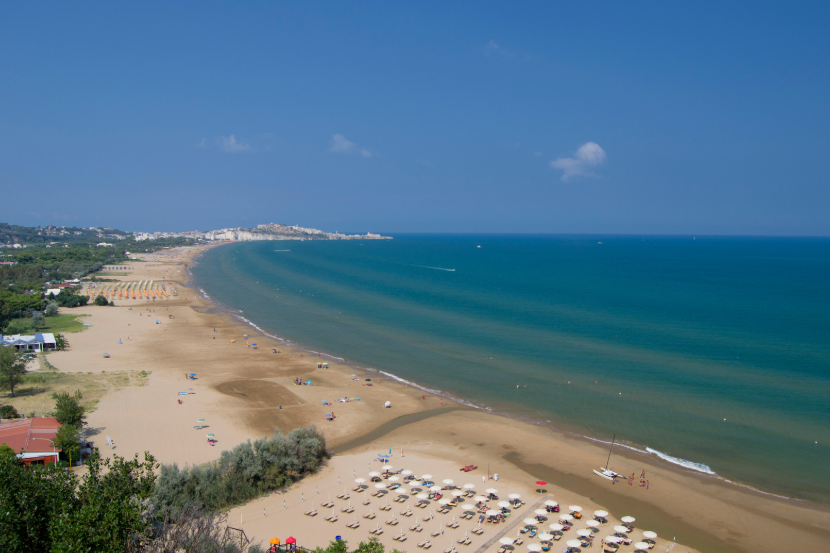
32, 439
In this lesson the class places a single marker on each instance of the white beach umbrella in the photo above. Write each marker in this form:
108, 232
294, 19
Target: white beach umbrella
406, 472
575, 509
374, 473
584, 532
415, 483
435, 488
540, 512
394, 478
506, 540
551, 503
573, 543
493, 512
592, 524
448, 481
565, 516
469, 486
479, 499
492, 491
360, 480
544, 536
534, 547
457, 493
621, 529
530, 521
401, 491
555, 527
613, 539
444, 501
514, 496
422, 496
380, 486
387, 467
426, 477
641, 546
649, 535
503, 504
468, 507
601, 514
628, 520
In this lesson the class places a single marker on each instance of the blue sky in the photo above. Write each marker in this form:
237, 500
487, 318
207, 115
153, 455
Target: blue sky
701, 118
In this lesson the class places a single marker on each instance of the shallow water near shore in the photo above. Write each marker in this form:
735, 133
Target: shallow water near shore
714, 353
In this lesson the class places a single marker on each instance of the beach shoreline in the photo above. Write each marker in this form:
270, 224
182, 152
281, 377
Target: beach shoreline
631, 450
702, 502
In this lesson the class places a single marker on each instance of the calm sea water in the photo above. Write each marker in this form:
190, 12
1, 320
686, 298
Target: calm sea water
714, 353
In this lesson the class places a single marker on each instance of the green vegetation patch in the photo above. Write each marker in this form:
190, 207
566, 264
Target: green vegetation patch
64, 323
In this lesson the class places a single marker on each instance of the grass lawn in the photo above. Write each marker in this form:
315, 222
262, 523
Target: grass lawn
64, 322
34, 396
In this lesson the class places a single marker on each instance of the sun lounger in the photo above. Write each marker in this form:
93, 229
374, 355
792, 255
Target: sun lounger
332, 519
341, 496
386, 508
452, 525
423, 543
327, 504
347, 510
436, 534
478, 531
406, 513
392, 522
367, 502
428, 517
369, 516
450, 550
519, 541
311, 513
357, 489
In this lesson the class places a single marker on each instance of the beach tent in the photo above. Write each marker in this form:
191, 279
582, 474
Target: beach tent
275, 541
388, 404
291, 540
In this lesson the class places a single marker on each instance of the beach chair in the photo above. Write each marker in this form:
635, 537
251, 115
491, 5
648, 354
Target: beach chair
478, 531
392, 522
525, 530
311, 513
332, 519
402, 538
436, 534
519, 541
421, 544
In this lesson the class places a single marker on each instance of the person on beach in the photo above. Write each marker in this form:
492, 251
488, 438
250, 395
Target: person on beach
630, 478
646, 484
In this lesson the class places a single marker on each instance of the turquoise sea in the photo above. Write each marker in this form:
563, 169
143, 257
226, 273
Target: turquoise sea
713, 353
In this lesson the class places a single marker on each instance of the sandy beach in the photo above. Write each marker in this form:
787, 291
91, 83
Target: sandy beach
245, 392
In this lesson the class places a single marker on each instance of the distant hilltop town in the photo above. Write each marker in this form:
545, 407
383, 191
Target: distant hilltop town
271, 231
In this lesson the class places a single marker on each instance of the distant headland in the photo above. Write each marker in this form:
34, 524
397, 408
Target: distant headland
271, 231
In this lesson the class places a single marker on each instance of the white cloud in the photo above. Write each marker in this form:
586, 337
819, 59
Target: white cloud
202, 144
588, 156
340, 144
229, 144
491, 48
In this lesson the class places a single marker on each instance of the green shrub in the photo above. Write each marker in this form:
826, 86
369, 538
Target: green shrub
19, 326
8, 412
241, 474
100, 300
51, 309
38, 320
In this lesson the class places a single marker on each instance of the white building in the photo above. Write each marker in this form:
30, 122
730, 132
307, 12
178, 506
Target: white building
38, 342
